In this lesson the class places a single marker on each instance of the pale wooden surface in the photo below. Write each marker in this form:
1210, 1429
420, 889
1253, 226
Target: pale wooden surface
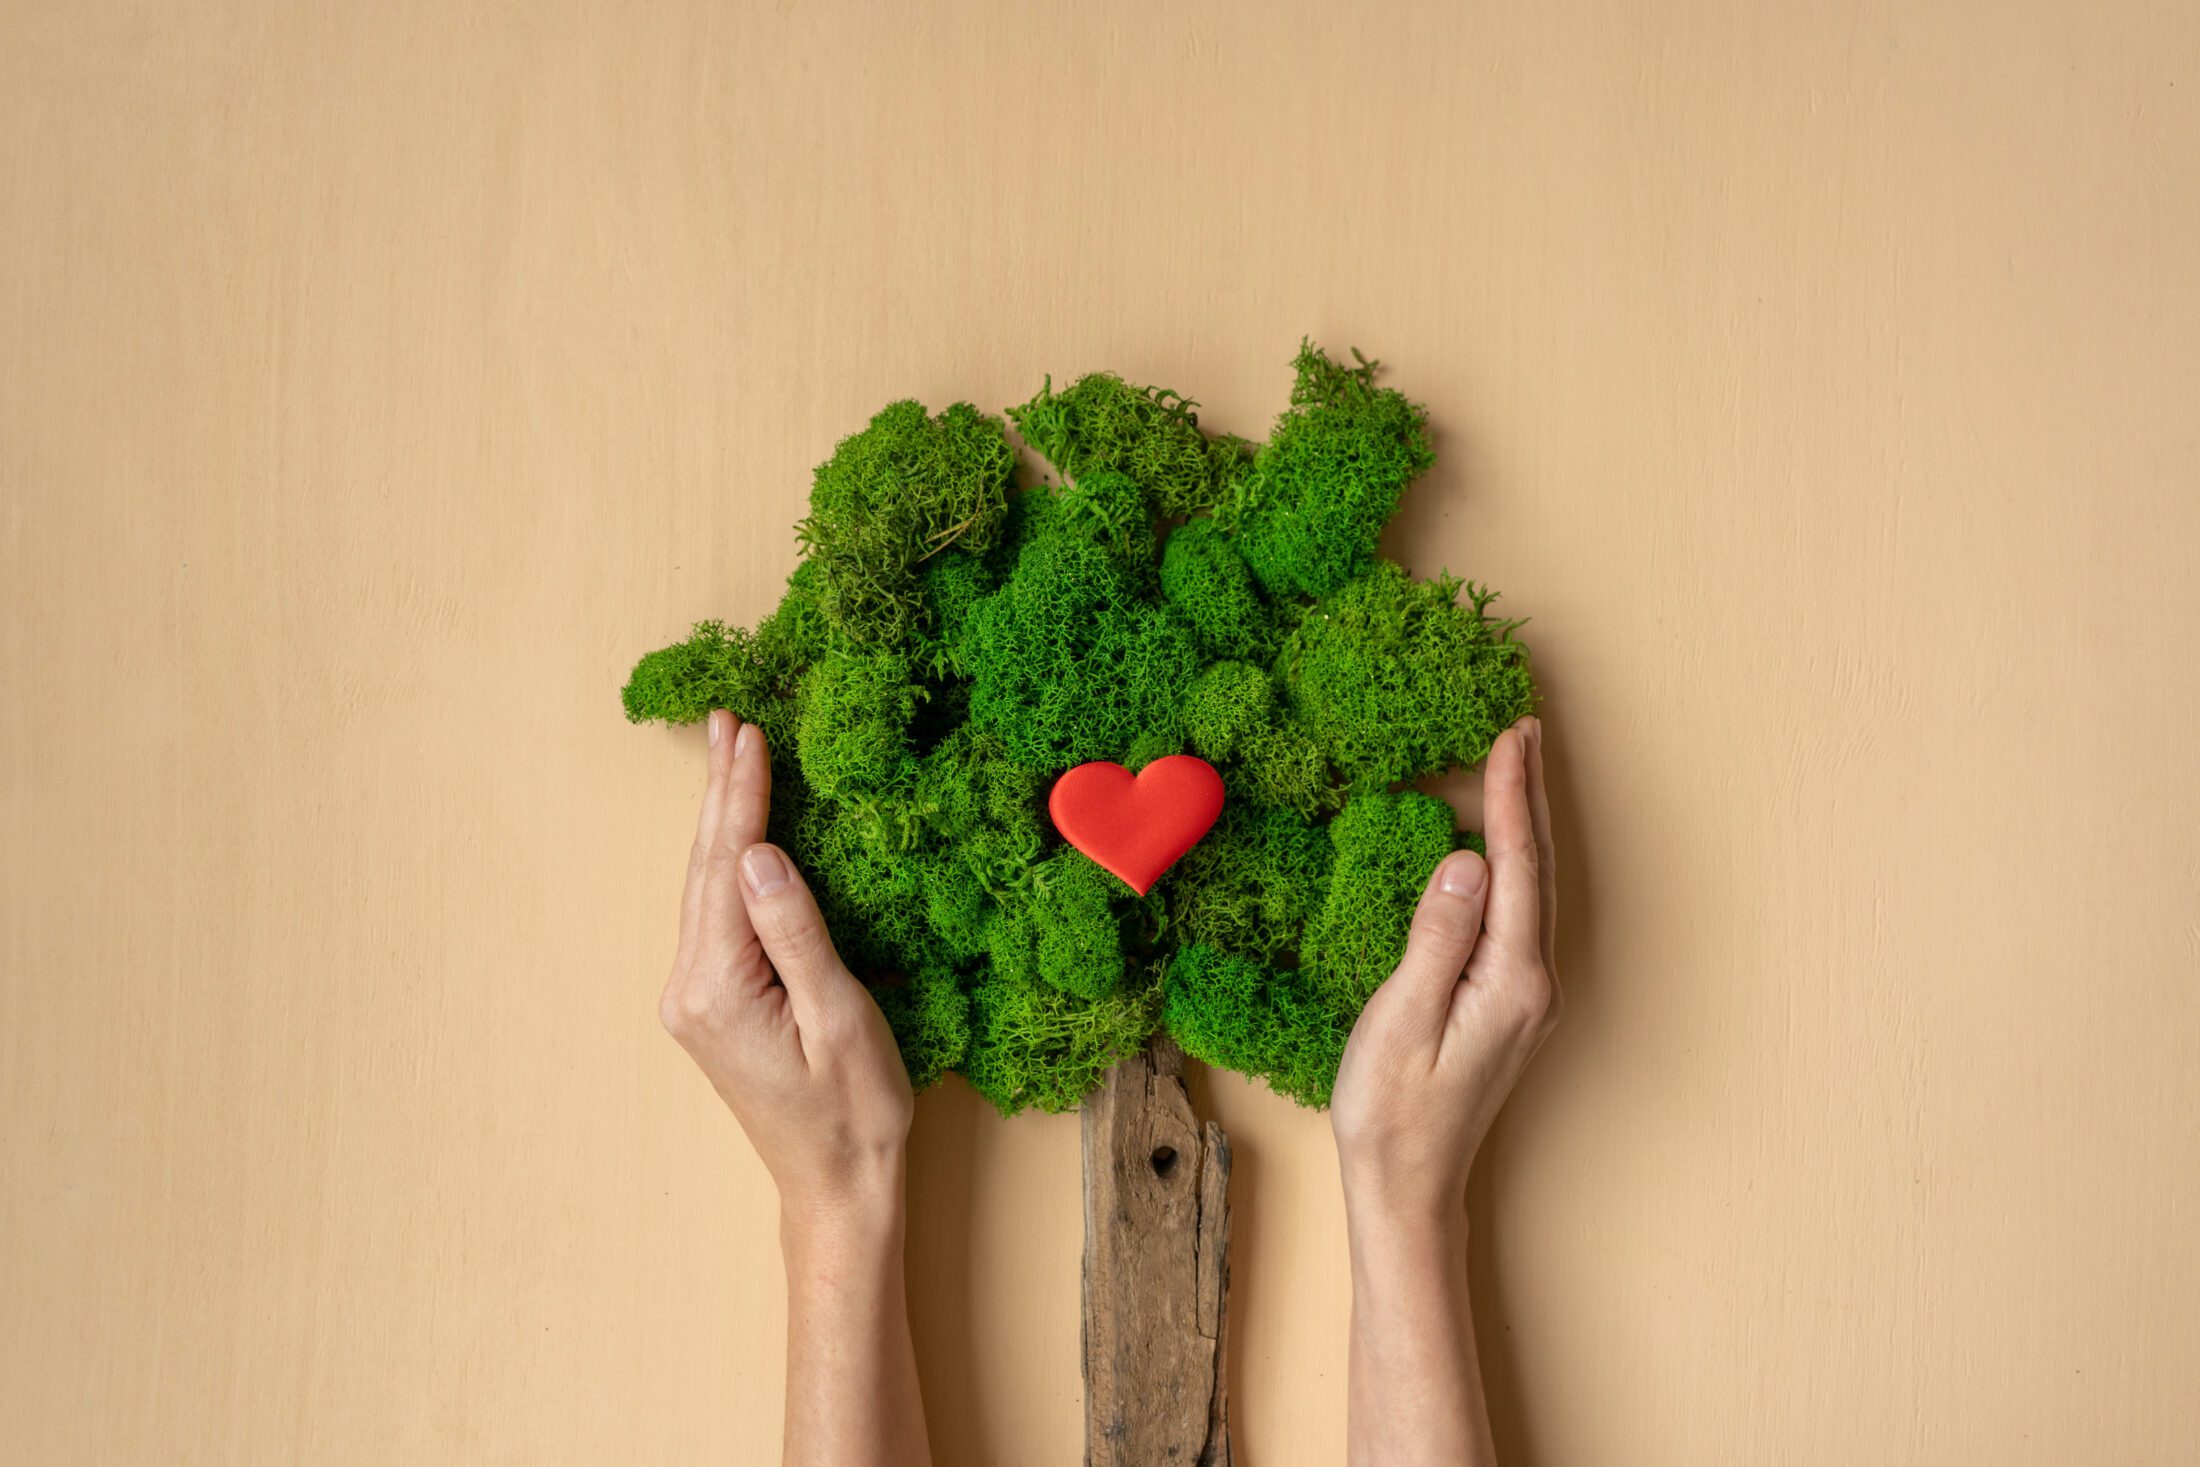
376, 380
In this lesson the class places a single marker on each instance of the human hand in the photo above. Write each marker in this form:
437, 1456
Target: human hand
761, 1000
1433, 1055
804, 1059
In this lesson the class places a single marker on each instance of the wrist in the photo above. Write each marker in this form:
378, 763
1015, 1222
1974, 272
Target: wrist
1405, 1262
1386, 1217
1418, 1228
1381, 1183
856, 1210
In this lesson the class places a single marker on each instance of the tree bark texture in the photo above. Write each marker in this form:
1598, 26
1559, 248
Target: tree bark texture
1157, 1271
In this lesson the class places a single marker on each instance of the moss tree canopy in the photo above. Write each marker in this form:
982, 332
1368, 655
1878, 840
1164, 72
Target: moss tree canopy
951, 643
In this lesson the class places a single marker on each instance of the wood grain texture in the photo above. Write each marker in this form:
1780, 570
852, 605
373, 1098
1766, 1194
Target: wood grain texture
1156, 1273
377, 380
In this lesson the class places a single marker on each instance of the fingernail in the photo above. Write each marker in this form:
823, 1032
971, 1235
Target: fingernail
1462, 875
764, 869
743, 739
710, 722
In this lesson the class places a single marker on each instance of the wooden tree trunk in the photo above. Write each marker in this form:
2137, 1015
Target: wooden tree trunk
1157, 1270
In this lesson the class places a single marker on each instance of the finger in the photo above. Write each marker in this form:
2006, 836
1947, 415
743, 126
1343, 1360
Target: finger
1546, 865
792, 932
724, 928
719, 726
1513, 921
1446, 925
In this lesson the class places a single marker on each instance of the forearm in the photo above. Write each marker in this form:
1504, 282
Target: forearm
852, 1395
1415, 1395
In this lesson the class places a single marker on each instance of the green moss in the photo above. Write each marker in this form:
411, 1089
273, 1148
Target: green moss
1226, 703
1205, 579
1148, 434
949, 588
1156, 742
930, 1019
1250, 886
1060, 927
1393, 678
1328, 479
853, 736
1068, 661
903, 490
1278, 765
1242, 1015
1111, 509
981, 807
950, 645
1386, 847
755, 675
1032, 1044
858, 857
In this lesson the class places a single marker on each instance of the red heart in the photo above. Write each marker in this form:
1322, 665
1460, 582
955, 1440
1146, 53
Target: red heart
1137, 825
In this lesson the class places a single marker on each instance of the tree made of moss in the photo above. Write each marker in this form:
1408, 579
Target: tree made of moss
953, 641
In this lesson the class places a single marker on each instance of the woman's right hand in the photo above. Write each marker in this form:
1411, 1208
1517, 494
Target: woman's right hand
1440, 1044
1434, 1055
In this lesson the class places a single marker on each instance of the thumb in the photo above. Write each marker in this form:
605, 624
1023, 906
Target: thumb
789, 927
1445, 926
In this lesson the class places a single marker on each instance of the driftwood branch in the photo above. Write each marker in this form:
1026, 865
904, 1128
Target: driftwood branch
1157, 1270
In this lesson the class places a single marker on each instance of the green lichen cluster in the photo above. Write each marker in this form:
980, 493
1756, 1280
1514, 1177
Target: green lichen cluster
953, 641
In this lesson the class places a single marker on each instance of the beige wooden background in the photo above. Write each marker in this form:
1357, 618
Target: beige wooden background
376, 380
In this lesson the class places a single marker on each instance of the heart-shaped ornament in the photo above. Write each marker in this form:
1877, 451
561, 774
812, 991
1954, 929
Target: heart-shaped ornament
1136, 825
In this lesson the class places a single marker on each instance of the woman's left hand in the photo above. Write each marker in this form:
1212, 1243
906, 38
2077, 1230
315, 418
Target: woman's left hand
760, 998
